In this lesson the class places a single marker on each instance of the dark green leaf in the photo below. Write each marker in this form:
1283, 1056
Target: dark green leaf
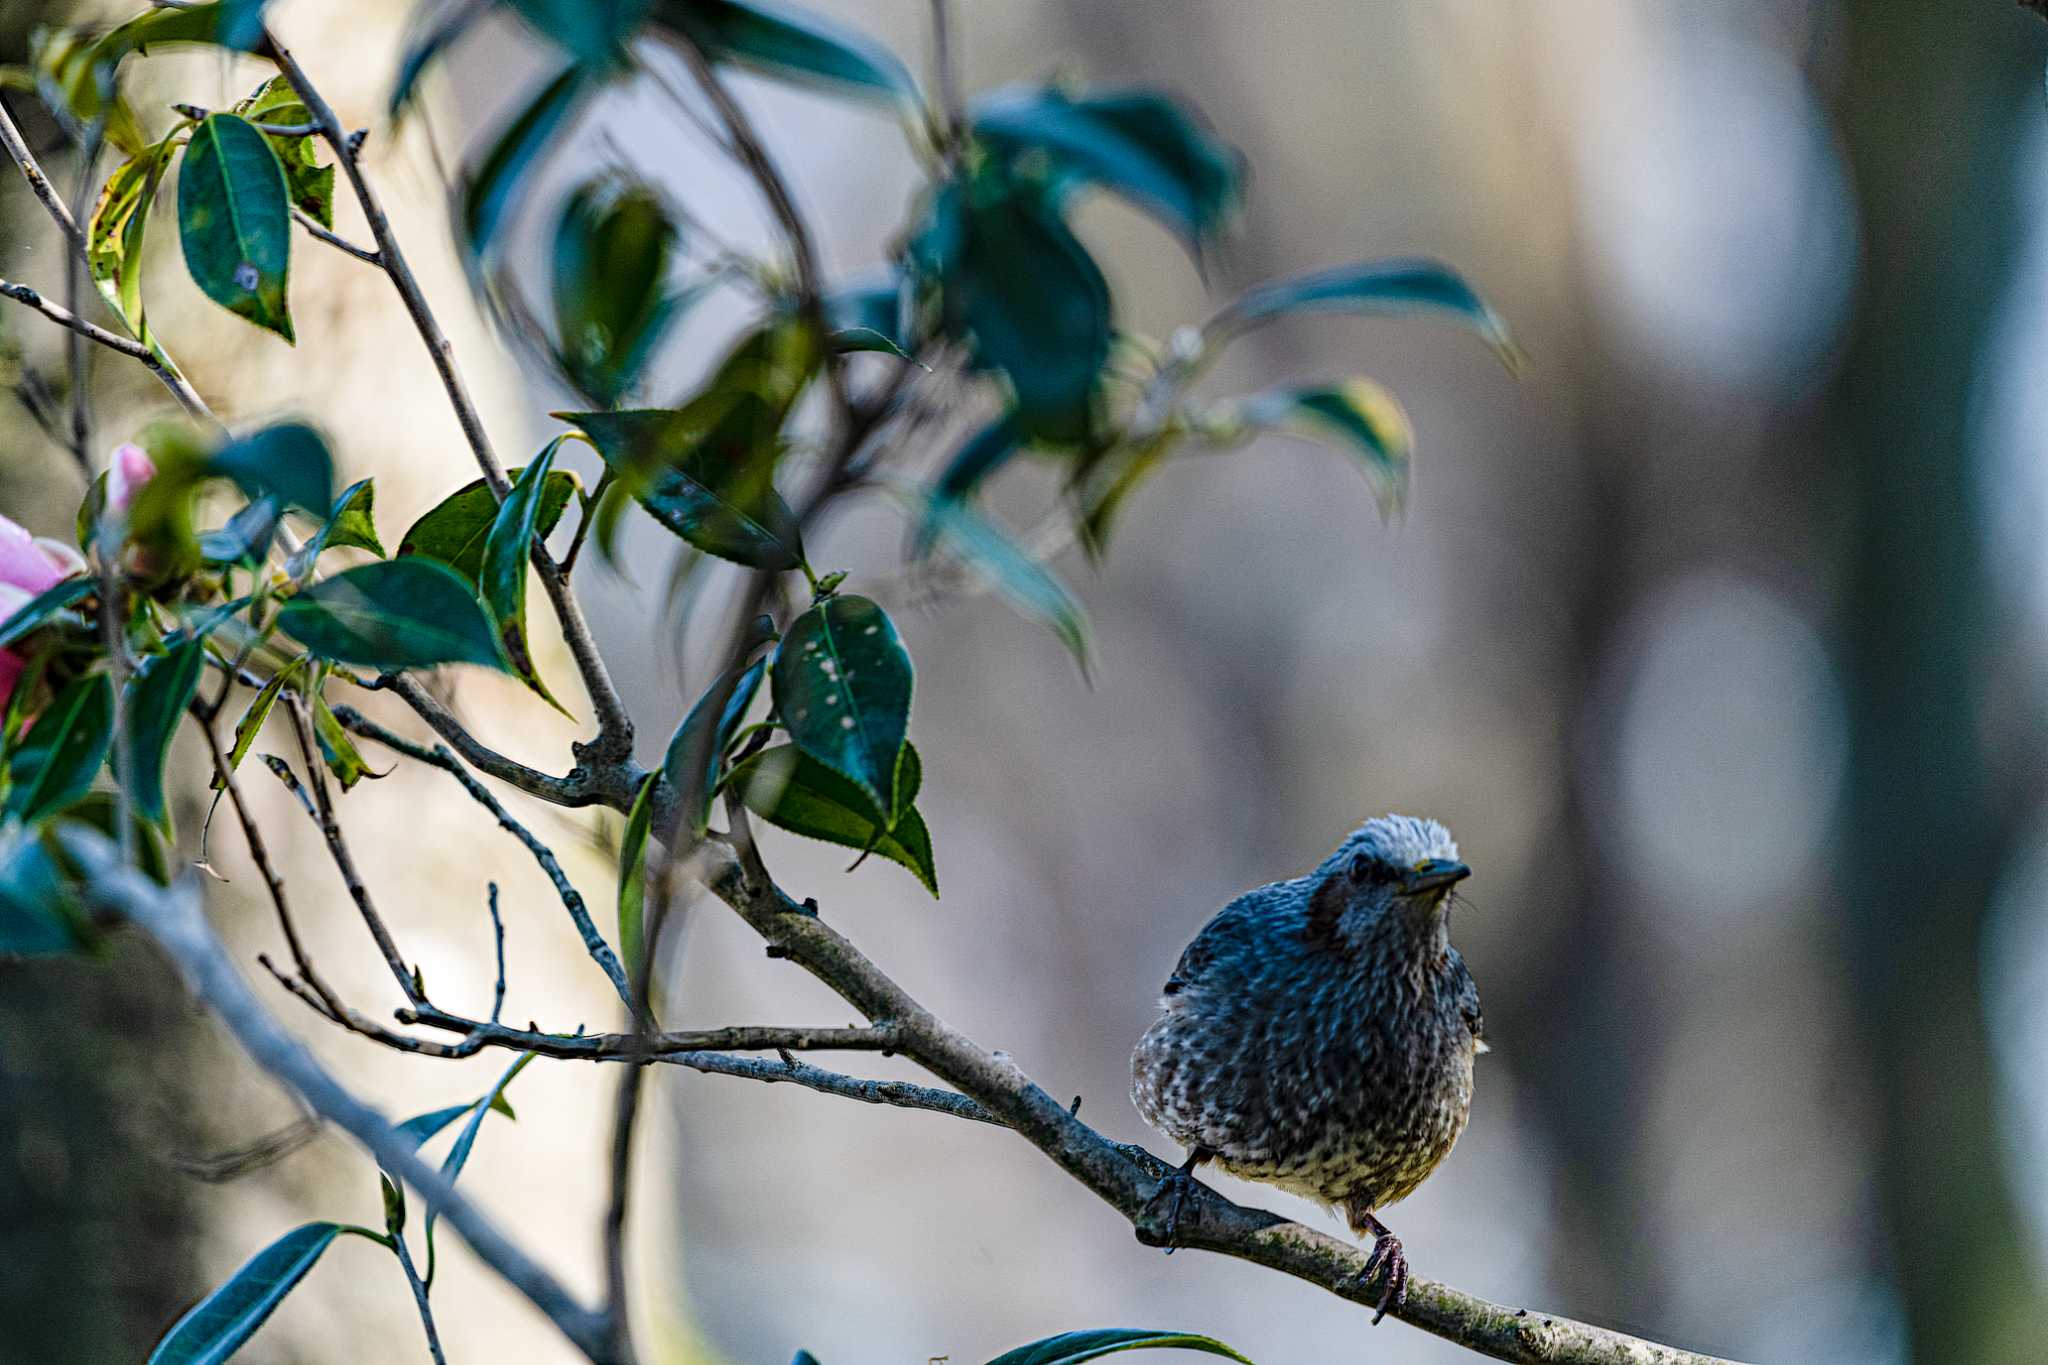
44, 605
392, 615
1139, 143
791, 791
490, 194
792, 44
508, 550
246, 537
337, 749
154, 704
633, 875
1022, 581
594, 32
421, 1127
288, 460
842, 689
1358, 414
394, 1205
251, 723
1020, 287
60, 756
350, 522
985, 452
99, 810
458, 528
234, 218
706, 477
1071, 1348
224, 1320
696, 796
804, 1358
611, 260
1370, 287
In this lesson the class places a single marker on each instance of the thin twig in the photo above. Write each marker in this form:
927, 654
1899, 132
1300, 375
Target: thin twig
64, 317
53, 202
497, 938
899, 1094
334, 239
419, 1296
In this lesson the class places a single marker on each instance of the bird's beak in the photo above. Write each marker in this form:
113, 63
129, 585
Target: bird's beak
1434, 875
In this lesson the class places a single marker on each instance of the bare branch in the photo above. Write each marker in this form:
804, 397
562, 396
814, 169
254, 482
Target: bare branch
334, 239
63, 317
900, 1094
419, 1297
45, 191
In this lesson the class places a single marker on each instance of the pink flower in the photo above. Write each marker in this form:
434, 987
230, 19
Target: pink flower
131, 468
28, 565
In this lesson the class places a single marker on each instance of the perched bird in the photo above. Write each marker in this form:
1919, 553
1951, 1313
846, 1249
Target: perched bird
1319, 1035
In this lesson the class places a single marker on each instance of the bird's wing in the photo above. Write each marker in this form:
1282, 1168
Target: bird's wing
1231, 936
1468, 998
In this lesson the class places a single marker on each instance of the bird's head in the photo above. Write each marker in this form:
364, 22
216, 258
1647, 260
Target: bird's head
1393, 869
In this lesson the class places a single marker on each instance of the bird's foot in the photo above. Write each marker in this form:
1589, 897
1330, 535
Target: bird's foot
1163, 1209
1388, 1264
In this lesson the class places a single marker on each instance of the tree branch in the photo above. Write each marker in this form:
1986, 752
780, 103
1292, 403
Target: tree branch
173, 918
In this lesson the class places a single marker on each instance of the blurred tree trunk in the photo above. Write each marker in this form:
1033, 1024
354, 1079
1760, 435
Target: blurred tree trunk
1930, 109
97, 1232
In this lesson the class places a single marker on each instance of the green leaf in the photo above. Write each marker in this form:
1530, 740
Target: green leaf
35, 900
458, 1154
792, 44
633, 875
155, 703
458, 528
985, 452
287, 459
1071, 1348
224, 1320
311, 184
489, 195
872, 313
1021, 580
613, 246
1142, 144
74, 79
842, 689
116, 230
392, 615
508, 550
682, 466
251, 723
246, 537
1357, 414
350, 522
697, 795
791, 791
337, 749
594, 32
1022, 290
235, 221
421, 1127
45, 605
1370, 287
57, 760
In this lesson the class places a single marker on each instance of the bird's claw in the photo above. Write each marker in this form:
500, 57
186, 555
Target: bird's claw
1173, 1189
1389, 1264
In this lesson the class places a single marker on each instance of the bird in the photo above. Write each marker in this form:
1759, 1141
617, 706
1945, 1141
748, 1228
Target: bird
1319, 1035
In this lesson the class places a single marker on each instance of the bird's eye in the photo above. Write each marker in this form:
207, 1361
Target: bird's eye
1368, 870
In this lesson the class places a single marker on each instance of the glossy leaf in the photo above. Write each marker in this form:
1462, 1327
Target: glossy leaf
246, 537
490, 193
594, 32
44, 606
392, 615
251, 723
222, 1322
792, 44
613, 246
458, 528
116, 231
1359, 415
56, 762
422, 1127
1371, 287
1022, 581
310, 184
1071, 1348
351, 522
792, 791
234, 219
508, 551
287, 459
683, 467
633, 876
842, 689
155, 703
1139, 143
696, 795
1020, 287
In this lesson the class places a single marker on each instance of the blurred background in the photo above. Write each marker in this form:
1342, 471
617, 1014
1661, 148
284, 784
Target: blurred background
1720, 640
